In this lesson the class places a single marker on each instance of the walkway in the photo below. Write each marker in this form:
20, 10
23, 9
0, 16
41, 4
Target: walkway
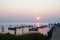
56, 34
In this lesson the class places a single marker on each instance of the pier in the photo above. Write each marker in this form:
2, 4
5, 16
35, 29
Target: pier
15, 28
56, 34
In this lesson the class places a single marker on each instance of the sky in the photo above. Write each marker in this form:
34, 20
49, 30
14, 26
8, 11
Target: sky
28, 10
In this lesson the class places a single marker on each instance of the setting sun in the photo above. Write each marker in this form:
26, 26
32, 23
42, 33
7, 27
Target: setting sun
38, 18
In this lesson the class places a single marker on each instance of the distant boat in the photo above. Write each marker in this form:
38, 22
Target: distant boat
32, 29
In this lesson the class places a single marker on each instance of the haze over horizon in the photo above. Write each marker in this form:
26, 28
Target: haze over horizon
28, 10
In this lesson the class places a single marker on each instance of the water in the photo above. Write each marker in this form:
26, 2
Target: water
18, 31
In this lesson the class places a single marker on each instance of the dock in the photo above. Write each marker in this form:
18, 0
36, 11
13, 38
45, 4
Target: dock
15, 28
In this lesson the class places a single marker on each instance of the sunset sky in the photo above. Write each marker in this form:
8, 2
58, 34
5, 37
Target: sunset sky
28, 10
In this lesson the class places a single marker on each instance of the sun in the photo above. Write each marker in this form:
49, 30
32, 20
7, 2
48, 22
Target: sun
38, 18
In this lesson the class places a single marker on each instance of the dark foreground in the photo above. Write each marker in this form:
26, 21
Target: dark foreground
30, 36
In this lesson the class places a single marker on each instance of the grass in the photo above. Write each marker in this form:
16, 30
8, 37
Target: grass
30, 36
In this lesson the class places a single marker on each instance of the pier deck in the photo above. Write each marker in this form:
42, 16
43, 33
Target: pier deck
56, 34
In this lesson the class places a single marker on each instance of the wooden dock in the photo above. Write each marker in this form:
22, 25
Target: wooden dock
15, 28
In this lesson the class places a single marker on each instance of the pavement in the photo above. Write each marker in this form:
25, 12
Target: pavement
56, 34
